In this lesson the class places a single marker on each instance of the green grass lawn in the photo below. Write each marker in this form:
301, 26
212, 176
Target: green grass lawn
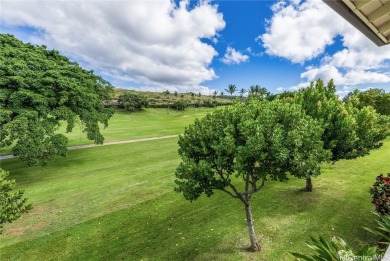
147, 123
144, 124
117, 203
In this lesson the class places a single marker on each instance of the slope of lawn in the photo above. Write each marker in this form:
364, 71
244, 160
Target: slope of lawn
126, 125
147, 123
117, 203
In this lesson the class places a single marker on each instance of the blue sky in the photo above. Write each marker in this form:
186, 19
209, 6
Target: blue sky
204, 46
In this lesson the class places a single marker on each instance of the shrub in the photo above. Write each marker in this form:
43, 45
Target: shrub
132, 102
380, 192
382, 229
12, 204
337, 250
180, 105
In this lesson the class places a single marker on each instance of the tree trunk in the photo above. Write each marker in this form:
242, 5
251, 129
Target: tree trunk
254, 245
309, 185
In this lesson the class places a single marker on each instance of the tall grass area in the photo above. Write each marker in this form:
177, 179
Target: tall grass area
117, 203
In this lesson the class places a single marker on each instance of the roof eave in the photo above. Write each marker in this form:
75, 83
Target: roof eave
342, 9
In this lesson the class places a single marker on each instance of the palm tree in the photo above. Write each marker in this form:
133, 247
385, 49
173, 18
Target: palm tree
231, 89
258, 92
242, 92
221, 94
215, 93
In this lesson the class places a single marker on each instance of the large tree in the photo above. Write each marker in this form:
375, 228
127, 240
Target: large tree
39, 88
349, 132
237, 148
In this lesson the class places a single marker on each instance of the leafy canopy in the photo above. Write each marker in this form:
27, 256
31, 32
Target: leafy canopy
38, 89
132, 102
376, 98
349, 132
238, 146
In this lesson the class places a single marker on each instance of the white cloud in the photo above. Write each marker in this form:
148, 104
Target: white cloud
234, 57
300, 32
149, 42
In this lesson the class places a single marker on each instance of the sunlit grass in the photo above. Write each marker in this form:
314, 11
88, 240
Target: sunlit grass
117, 202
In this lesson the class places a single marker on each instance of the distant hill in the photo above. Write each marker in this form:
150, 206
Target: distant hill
168, 99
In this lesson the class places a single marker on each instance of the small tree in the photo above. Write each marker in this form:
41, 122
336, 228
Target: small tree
180, 105
132, 102
12, 205
235, 149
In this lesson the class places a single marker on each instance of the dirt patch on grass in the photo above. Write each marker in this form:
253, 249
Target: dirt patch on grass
13, 232
20, 231
39, 225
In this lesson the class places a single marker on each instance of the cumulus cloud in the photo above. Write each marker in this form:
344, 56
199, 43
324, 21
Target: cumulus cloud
300, 31
234, 57
153, 43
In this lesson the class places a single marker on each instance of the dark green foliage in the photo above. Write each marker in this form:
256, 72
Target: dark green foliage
180, 105
38, 89
12, 204
337, 250
132, 102
380, 192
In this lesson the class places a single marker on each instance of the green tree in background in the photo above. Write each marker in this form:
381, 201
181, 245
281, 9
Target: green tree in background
349, 132
12, 204
231, 89
242, 92
376, 98
132, 102
258, 92
236, 149
38, 89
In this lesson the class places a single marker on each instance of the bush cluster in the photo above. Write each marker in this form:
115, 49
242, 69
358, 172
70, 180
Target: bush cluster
380, 192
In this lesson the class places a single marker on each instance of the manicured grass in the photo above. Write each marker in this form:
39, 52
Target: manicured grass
147, 123
117, 202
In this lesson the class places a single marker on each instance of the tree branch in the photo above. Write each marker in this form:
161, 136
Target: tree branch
229, 193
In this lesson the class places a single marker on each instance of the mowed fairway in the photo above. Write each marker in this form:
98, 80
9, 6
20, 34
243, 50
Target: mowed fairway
147, 123
125, 125
117, 203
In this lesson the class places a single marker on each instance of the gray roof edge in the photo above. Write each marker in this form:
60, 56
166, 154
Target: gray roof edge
343, 10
